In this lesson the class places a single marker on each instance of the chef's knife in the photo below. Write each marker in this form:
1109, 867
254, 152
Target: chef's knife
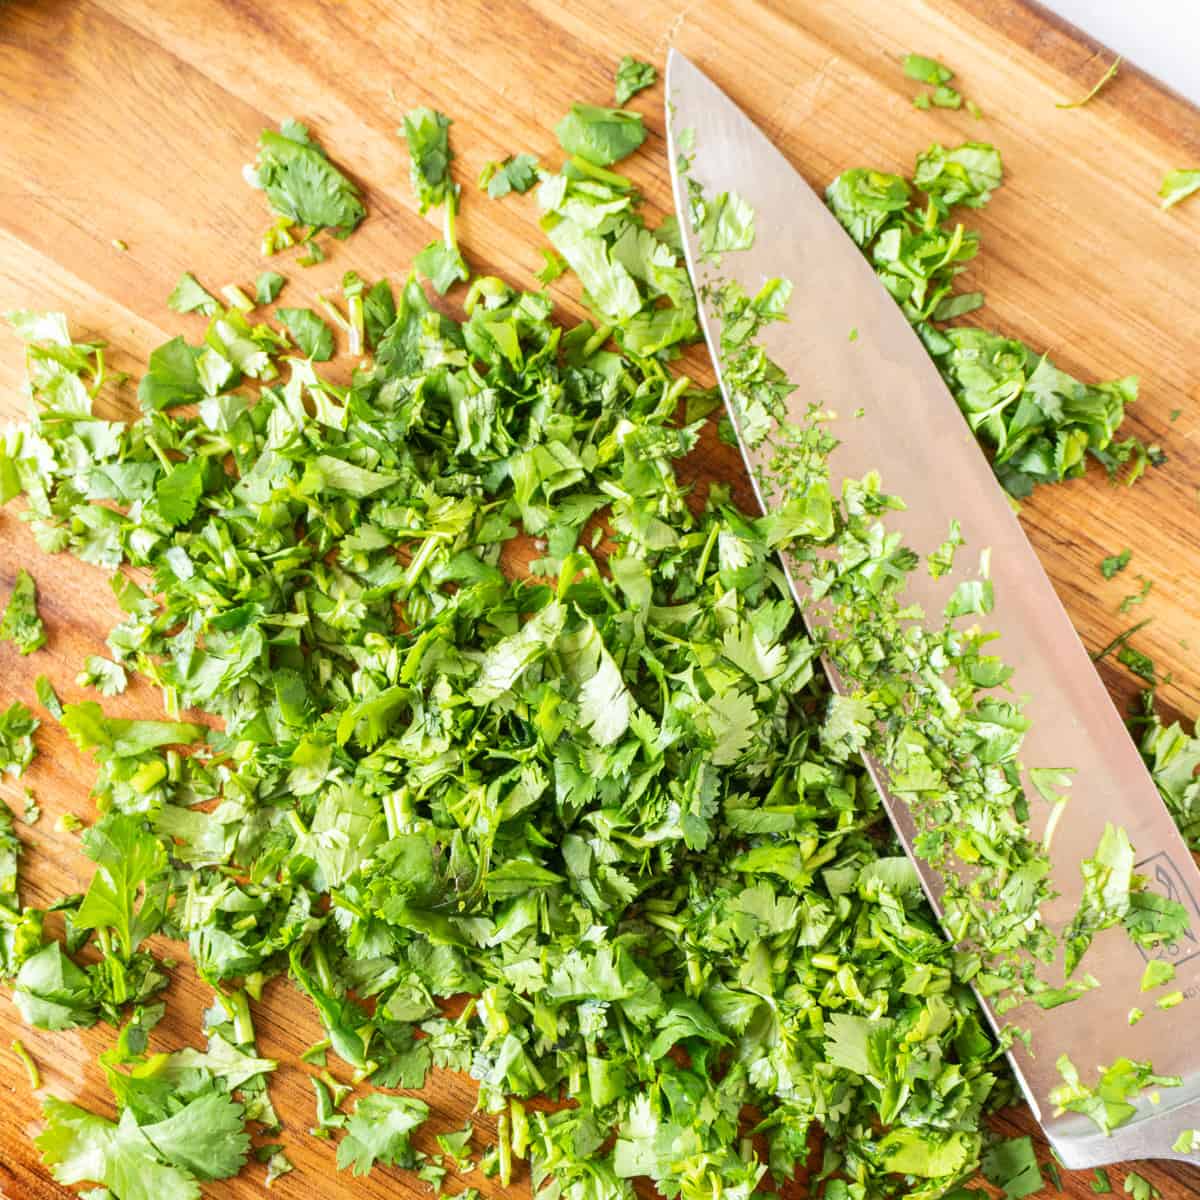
913, 433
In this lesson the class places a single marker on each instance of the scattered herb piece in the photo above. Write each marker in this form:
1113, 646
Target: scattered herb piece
600, 136
268, 286
1140, 1188
926, 70
301, 184
427, 133
1101, 1184
1178, 185
1137, 597
1012, 1166
1158, 971
378, 1130
1120, 640
1110, 1103
106, 676
17, 726
312, 335
1108, 75
632, 77
1188, 1142
555, 266
517, 173
21, 623
189, 295
1113, 563
31, 1067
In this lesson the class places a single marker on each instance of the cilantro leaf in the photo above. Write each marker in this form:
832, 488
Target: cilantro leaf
178, 492
379, 1130
301, 183
442, 265
926, 70
106, 676
427, 133
312, 335
17, 726
189, 295
1111, 564
205, 1137
268, 286
1013, 1166
128, 860
517, 173
1178, 185
632, 76
600, 136
21, 624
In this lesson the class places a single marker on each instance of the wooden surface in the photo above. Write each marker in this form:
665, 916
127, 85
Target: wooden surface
131, 119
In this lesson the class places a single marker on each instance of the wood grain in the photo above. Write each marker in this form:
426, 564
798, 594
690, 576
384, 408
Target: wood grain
130, 119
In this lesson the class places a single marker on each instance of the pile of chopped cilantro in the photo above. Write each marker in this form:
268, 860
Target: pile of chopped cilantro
611, 800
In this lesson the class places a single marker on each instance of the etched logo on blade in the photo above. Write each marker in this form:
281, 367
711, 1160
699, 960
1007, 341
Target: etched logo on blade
1166, 879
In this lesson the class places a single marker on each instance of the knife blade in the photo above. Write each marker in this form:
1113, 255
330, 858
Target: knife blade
912, 432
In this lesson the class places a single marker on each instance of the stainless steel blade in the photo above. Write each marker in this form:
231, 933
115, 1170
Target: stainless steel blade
913, 433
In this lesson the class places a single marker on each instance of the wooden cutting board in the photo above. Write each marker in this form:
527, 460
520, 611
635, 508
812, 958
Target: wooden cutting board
130, 120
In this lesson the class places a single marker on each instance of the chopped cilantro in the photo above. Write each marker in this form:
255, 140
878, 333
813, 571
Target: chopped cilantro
616, 803
600, 136
1012, 1166
189, 295
106, 676
301, 184
1108, 75
312, 335
1158, 971
21, 623
378, 1130
17, 726
1114, 563
633, 76
1188, 1142
1178, 185
517, 173
268, 286
926, 70
1140, 1188
1138, 597
427, 133
1111, 1102
1038, 422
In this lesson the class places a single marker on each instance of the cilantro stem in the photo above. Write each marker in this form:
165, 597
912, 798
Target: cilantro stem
602, 334
520, 1127
592, 171
354, 305
317, 1048
243, 1024
1120, 640
31, 1068
321, 966
398, 811
505, 1147
702, 565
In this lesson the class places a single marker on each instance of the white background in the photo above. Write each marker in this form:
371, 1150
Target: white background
1160, 36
